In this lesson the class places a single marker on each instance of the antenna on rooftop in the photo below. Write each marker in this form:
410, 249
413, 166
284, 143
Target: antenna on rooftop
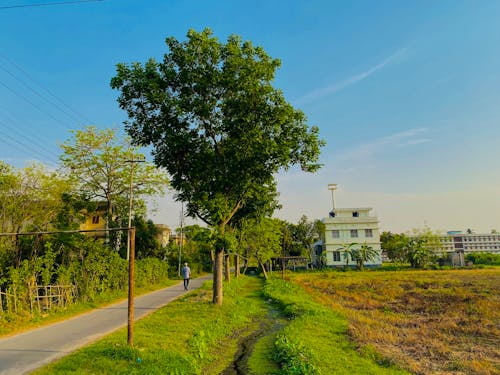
332, 188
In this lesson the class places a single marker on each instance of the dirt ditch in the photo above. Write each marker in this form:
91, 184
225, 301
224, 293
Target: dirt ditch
270, 325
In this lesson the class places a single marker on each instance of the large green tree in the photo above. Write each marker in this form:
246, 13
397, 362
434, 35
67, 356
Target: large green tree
217, 124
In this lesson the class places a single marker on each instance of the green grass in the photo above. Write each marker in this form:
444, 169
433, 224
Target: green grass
188, 336
315, 341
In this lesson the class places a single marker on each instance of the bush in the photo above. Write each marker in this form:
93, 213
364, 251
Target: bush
489, 259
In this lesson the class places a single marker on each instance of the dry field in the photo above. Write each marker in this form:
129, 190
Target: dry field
428, 322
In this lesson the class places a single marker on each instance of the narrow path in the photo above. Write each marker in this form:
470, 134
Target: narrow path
29, 350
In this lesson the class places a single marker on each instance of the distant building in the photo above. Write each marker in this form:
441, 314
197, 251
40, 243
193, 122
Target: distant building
455, 245
346, 226
163, 235
176, 238
95, 220
471, 243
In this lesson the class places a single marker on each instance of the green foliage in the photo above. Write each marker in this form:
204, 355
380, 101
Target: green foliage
420, 249
218, 97
217, 125
394, 245
150, 271
97, 162
146, 242
297, 239
364, 254
30, 200
348, 251
484, 258
260, 239
90, 266
294, 356
418, 254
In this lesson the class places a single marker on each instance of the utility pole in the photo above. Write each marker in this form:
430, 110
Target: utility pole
181, 237
131, 284
131, 192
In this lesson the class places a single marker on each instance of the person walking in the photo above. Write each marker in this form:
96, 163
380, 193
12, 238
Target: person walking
186, 274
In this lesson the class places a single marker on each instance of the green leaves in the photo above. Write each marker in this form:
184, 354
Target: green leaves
100, 163
215, 122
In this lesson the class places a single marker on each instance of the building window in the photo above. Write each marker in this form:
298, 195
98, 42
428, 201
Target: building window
95, 219
355, 214
336, 256
368, 233
335, 233
354, 233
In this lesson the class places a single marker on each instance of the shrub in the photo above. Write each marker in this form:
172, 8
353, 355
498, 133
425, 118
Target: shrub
484, 258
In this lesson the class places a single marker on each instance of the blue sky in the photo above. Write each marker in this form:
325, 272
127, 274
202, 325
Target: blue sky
406, 93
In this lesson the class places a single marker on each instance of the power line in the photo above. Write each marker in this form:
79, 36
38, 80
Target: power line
20, 126
49, 4
36, 106
33, 141
40, 95
26, 74
25, 147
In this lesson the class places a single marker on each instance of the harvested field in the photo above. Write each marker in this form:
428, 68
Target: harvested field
429, 322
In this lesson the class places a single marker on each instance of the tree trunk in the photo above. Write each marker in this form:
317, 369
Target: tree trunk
226, 268
217, 283
236, 266
263, 268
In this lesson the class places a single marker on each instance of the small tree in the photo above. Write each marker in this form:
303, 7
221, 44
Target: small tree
364, 254
262, 239
395, 245
417, 253
99, 163
348, 252
218, 126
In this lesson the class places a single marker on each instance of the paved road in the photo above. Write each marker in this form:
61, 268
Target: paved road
29, 350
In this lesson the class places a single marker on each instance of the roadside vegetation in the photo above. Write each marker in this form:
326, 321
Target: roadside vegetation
261, 329
425, 321
190, 335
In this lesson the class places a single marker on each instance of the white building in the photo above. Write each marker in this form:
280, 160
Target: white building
471, 243
346, 226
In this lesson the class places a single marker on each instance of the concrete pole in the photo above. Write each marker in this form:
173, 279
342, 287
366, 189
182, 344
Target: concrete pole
131, 283
130, 201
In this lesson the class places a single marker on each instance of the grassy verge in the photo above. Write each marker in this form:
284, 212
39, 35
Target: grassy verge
315, 341
17, 324
188, 336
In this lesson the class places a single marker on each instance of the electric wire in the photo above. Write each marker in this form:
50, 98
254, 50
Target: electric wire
49, 4
41, 96
27, 75
25, 147
60, 122
33, 141
20, 124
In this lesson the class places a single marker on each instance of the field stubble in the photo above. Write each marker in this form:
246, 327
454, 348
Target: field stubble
429, 322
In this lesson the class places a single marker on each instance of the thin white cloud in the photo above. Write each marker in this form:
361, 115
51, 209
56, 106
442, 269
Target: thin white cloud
331, 89
401, 139
412, 142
